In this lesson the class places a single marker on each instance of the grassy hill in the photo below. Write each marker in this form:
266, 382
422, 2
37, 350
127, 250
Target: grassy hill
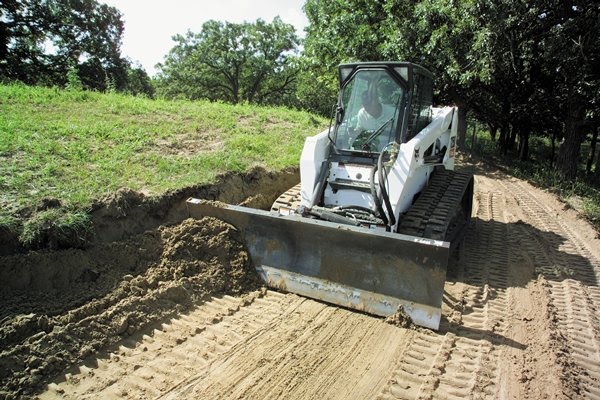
77, 146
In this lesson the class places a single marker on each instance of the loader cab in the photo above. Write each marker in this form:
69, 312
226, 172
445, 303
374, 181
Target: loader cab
380, 103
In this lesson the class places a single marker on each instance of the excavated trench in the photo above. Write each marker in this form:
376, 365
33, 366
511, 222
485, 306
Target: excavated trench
161, 306
146, 261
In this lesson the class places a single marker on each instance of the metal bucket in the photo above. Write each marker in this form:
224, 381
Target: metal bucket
354, 267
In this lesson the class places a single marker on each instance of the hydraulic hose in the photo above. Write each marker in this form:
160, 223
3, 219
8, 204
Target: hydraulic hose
318, 192
327, 215
359, 208
376, 199
383, 190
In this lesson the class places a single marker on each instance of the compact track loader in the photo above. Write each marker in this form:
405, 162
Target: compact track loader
379, 208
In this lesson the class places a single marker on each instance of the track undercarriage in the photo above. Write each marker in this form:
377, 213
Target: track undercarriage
441, 212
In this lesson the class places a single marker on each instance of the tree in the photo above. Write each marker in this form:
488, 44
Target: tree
435, 34
336, 33
139, 82
573, 55
42, 40
232, 62
447, 39
317, 87
521, 67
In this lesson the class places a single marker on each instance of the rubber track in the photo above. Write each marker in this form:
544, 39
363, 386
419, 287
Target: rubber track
290, 199
432, 214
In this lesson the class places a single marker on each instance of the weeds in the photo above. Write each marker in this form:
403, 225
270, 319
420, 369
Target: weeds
57, 229
10, 224
578, 193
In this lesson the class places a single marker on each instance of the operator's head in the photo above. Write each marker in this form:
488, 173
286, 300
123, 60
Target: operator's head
371, 103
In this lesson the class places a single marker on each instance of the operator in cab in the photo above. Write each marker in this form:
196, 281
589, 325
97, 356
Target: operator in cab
370, 102
371, 120
373, 114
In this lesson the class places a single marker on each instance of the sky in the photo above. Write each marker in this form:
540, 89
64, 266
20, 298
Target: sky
150, 24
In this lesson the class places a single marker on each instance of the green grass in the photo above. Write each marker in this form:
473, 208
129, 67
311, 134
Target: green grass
58, 227
77, 146
579, 193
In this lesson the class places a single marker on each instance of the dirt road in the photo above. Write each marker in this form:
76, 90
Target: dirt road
521, 320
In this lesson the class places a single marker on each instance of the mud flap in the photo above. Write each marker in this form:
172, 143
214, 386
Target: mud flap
354, 267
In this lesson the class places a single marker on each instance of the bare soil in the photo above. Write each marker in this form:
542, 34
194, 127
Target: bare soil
173, 309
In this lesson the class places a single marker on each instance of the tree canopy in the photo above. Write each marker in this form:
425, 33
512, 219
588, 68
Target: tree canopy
519, 66
252, 62
42, 40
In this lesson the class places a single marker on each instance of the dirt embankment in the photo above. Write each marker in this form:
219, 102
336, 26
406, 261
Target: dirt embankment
63, 306
126, 212
145, 262
144, 316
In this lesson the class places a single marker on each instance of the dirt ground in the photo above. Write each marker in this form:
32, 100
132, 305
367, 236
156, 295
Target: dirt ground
174, 310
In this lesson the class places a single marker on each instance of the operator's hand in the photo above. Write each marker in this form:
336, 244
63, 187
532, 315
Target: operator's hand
361, 139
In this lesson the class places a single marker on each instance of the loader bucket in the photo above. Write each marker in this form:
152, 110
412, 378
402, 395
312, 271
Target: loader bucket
354, 267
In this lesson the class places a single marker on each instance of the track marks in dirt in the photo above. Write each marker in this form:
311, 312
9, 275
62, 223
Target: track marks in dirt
318, 351
149, 365
572, 276
504, 330
461, 359
258, 347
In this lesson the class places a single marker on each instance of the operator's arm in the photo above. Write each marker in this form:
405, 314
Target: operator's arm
362, 120
357, 124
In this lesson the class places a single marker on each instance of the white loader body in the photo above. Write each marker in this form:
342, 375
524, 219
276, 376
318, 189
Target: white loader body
407, 177
379, 207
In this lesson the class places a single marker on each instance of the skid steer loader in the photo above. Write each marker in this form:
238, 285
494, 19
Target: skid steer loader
379, 208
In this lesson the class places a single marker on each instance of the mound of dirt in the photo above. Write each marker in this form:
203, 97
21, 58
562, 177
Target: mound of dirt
125, 213
59, 307
400, 319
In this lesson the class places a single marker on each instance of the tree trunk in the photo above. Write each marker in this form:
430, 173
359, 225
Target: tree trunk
502, 138
524, 145
503, 141
493, 132
597, 171
553, 154
569, 150
513, 138
474, 136
590, 162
